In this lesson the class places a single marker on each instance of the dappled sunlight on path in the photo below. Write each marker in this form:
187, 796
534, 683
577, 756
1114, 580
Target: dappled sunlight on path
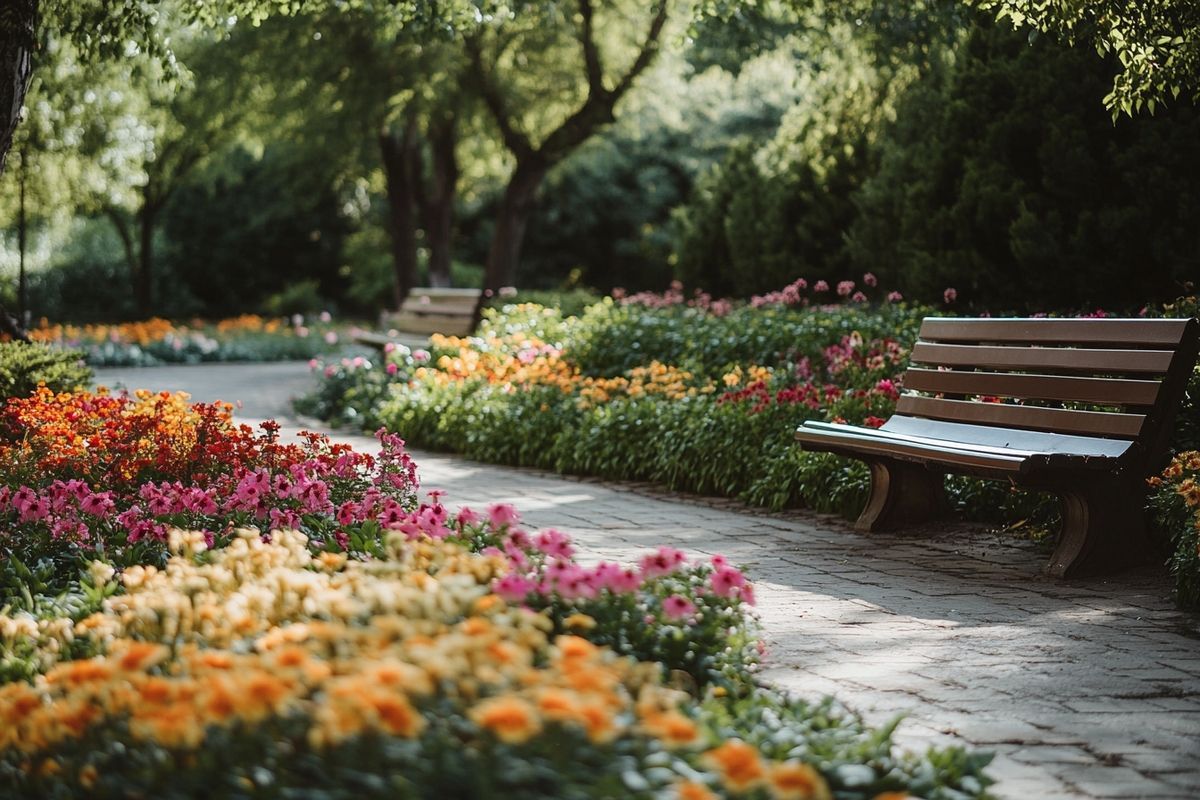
1084, 688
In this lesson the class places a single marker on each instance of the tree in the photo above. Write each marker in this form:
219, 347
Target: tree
487, 48
1155, 42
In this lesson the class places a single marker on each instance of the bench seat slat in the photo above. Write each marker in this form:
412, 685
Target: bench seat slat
410, 307
1135, 332
1105, 391
1032, 441
1053, 359
1088, 423
865, 441
1034, 457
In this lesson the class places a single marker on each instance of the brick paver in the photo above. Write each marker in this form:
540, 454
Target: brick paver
1084, 689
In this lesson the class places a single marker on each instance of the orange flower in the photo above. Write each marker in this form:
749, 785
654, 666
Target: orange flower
793, 780
557, 704
671, 728
140, 656
689, 790
396, 715
739, 764
599, 722
511, 719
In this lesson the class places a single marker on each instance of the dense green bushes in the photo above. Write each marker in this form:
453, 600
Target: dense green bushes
23, 366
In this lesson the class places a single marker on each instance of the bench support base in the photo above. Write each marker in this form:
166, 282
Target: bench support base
1103, 528
902, 494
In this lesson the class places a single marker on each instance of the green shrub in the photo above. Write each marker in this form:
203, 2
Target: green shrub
24, 365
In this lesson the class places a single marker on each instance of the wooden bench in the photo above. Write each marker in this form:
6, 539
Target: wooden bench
1085, 411
435, 310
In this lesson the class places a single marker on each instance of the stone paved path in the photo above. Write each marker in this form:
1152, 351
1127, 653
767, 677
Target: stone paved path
1087, 689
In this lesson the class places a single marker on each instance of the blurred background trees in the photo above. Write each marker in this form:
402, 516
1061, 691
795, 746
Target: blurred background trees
239, 156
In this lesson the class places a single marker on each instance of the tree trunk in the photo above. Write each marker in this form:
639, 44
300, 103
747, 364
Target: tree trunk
509, 233
144, 278
400, 157
18, 26
439, 200
22, 242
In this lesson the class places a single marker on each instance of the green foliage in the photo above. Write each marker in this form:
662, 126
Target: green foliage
1155, 44
777, 210
1000, 178
23, 366
263, 230
1175, 500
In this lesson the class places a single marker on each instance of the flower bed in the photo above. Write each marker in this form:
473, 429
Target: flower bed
380, 646
158, 341
697, 394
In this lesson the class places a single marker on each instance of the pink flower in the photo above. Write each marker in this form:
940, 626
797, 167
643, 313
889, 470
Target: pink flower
502, 515
950, 295
389, 347
513, 588
555, 544
331, 337
870, 280
894, 297
391, 368
845, 288
858, 297
466, 516
347, 513
726, 581
98, 505
663, 562
677, 606
820, 286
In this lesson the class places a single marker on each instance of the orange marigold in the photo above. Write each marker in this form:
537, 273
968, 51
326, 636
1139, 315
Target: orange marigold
739, 764
793, 780
511, 719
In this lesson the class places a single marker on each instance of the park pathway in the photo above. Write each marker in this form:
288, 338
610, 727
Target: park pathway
1084, 689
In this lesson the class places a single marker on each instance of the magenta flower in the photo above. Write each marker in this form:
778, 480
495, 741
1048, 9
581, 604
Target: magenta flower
663, 562
726, 581
466, 516
950, 295
554, 544
870, 280
514, 588
844, 288
676, 607
502, 515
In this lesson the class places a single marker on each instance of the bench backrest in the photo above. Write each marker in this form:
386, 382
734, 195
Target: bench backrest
1136, 370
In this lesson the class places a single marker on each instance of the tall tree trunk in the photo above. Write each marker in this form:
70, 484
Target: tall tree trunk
511, 221
400, 159
144, 278
18, 31
439, 200
22, 242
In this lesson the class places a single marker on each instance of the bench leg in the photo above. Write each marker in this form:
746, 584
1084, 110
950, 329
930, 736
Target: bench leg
1103, 528
902, 494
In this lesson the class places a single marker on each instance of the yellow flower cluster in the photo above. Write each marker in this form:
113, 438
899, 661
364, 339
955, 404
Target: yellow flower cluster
263, 629
490, 360
751, 374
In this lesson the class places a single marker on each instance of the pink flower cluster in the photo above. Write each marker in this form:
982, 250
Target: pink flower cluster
674, 296
300, 494
542, 566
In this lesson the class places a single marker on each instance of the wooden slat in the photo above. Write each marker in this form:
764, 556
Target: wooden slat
1052, 359
1103, 391
1019, 440
862, 441
1038, 458
1164, 333
1093, 423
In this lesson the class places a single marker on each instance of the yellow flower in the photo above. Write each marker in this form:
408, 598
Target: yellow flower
580, 622
793, 780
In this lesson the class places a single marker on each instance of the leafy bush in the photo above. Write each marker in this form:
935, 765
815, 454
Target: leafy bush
25, 365
1175, 500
